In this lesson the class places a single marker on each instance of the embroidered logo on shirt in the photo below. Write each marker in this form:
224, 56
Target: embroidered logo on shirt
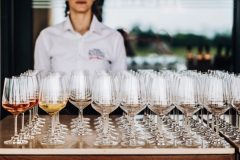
96, 54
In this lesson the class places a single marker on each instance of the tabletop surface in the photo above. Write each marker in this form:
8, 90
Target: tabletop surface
84, 145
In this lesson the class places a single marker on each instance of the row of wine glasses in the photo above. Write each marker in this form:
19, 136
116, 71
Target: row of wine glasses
53, 97
20, 94
189, 91
104, 102
35, 123
80, 96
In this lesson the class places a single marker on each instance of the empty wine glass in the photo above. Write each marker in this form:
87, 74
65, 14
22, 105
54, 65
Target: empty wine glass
214, 99
36, 75
104, 101
235, 95
186, 94
32, 93
80, 97
27, 132
132, 104
160, 104
53, 98
224, 126
15, 101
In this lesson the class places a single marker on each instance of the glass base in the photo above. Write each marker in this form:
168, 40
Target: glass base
16, 140
237, 141
81, 131
80, 125
110, 129
85, 119
189, 143
106, 140
52, 141
164, 144
28, 137
100, 123
216, 144
106, 143
40, 121
133, 143
35, 132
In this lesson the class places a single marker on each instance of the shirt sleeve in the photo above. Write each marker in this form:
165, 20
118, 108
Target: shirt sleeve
120, 60
41, 55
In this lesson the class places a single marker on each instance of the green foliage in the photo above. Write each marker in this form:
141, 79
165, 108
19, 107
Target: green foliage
146, 41
189, 39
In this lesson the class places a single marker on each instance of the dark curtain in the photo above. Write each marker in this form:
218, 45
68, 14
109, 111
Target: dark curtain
236, 36
16, 39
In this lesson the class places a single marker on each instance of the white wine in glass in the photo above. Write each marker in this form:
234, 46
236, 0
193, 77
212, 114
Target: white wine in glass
52, 108
52, 99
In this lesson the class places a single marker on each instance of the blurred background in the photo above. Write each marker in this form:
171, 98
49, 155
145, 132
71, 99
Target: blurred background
158, 34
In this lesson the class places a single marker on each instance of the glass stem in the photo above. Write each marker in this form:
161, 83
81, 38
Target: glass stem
160, 124
57, 121
132, 133
186, 123
238, 115
237, 120
217, 124
213, 122
53, 125
174, 114
15, 125
81, 115
22, 121
207, 119
177, 113
30, 116
105, 122
224, 117
189, 124
36, 111
230, 116
198, 115
202, 116
33, 113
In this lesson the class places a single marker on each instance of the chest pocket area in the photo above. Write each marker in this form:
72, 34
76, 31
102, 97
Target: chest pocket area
99, 59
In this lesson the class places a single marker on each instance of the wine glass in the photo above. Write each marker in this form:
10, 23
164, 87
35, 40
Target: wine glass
36, 75
104, 102
235, 95
132, 104
172, 79
29, 131
52, 99
15, 101
197, 123
214, 99
160, 104
186, 103
80, 97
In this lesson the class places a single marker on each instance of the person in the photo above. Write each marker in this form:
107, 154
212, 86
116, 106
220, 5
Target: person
80, 42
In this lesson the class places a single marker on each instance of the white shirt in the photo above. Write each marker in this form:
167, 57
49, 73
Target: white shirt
60, 48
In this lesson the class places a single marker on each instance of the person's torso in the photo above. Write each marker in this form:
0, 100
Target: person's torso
70, 51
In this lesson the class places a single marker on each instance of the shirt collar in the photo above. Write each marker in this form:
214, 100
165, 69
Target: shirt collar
95, 25
68, 25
